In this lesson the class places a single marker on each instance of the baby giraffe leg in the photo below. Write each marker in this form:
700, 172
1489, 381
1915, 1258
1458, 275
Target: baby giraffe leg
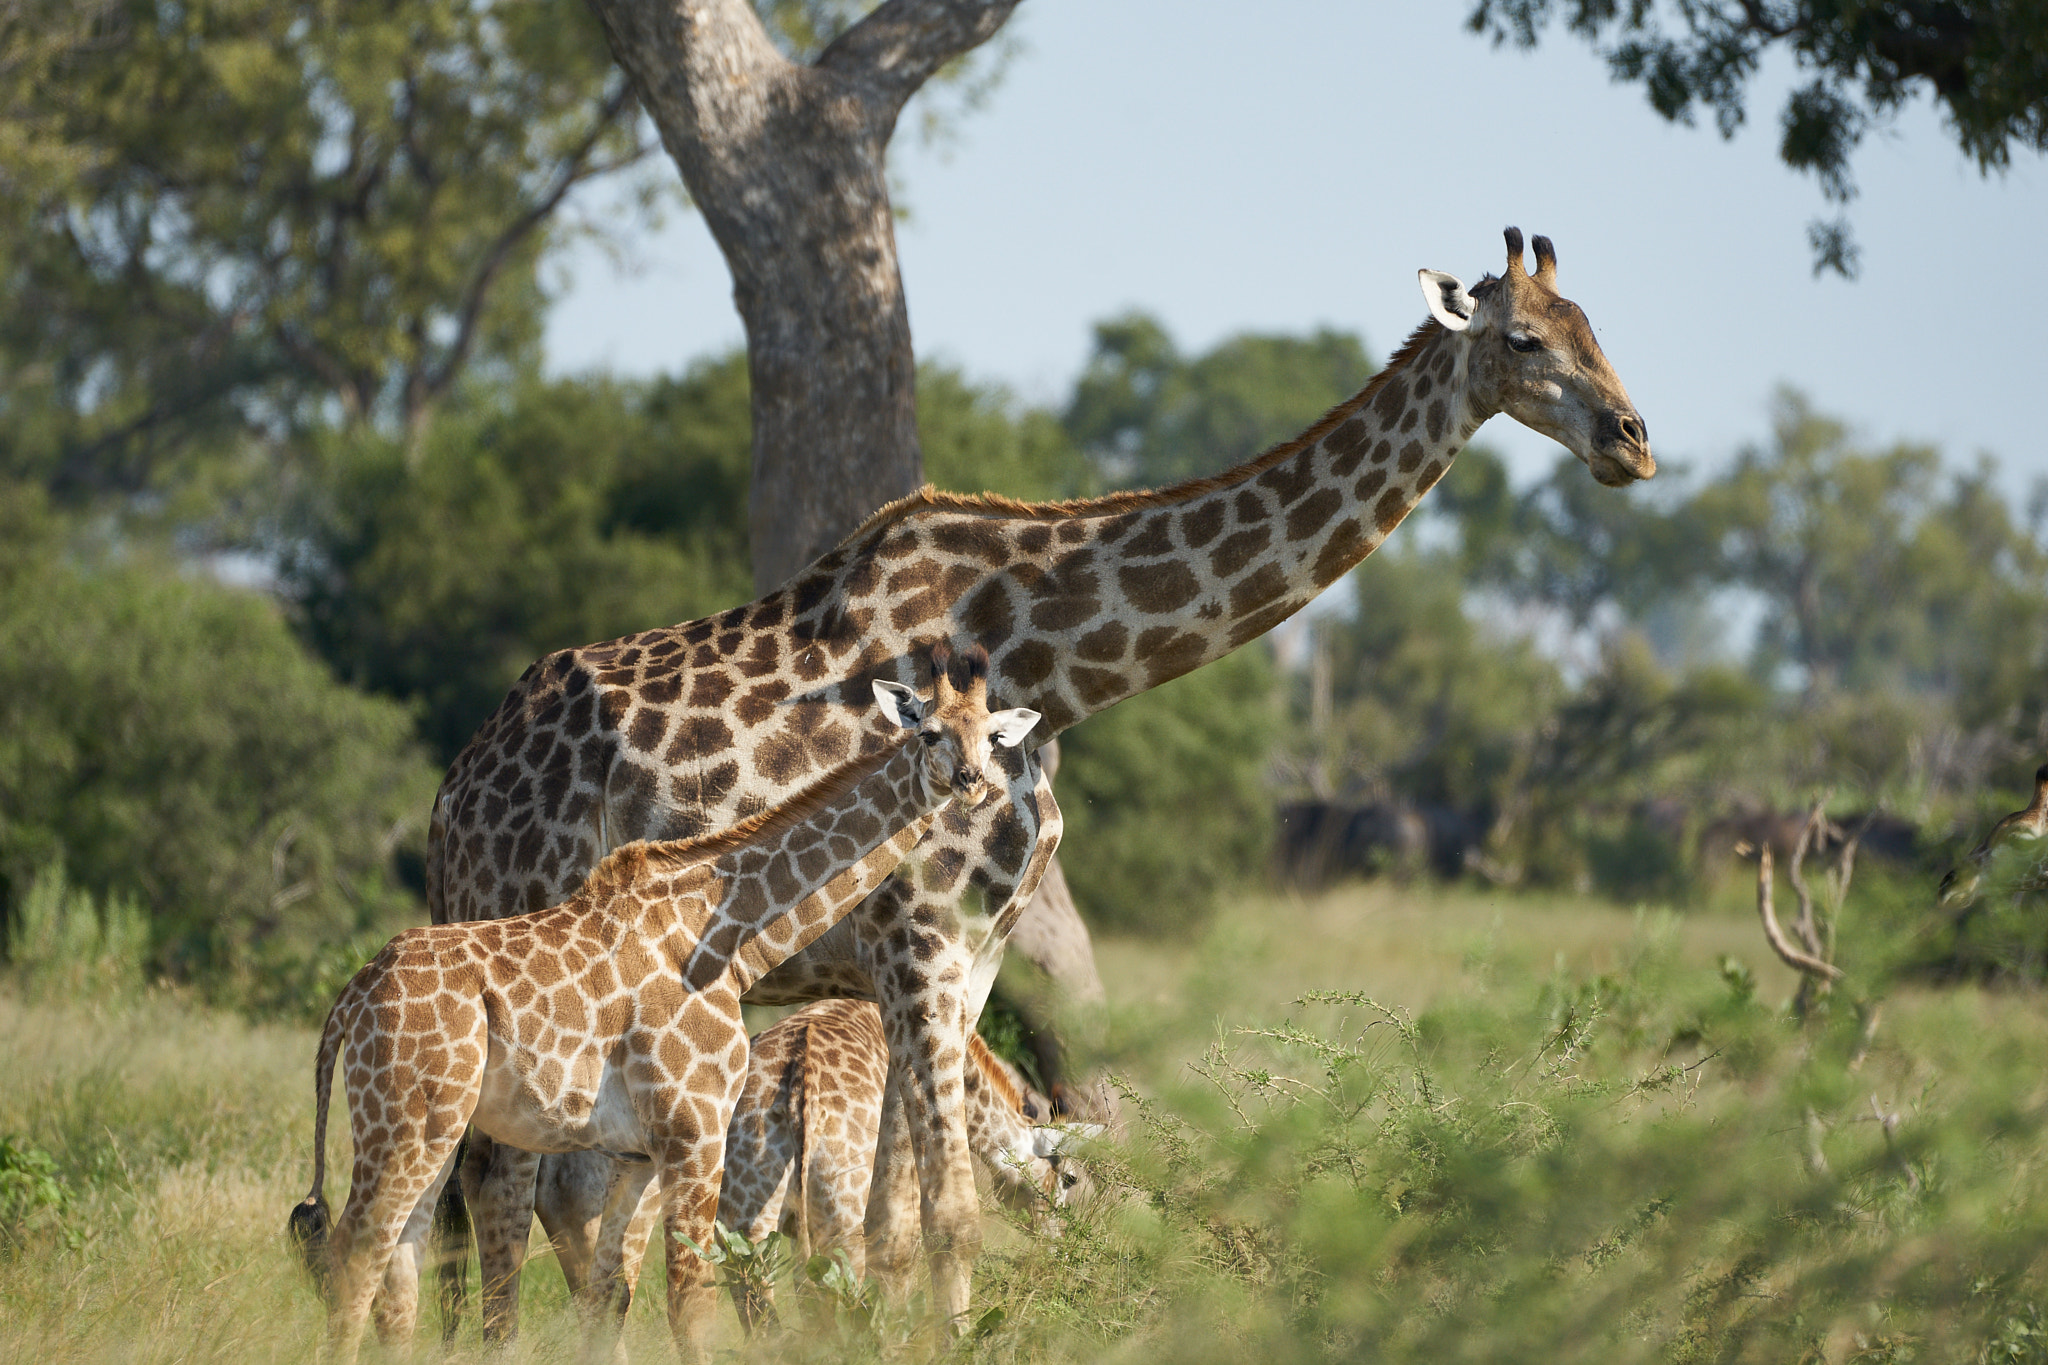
390, 1204
615, 1254
888, 1246
688, 1169
398, 1303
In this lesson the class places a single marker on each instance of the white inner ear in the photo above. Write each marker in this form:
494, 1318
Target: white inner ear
1047, 1141
899, 703
1448, 302
1010, 727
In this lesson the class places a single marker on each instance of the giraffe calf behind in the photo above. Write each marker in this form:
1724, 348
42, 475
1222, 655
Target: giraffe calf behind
800, 1152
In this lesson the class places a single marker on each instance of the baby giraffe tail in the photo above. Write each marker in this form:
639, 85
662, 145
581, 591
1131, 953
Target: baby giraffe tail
309, 1223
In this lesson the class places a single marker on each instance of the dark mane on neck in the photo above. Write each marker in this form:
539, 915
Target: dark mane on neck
995, 1073
1139, 499
630, 863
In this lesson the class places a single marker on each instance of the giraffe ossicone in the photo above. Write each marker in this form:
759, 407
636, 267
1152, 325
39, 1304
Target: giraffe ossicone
1081, 604
611, 1022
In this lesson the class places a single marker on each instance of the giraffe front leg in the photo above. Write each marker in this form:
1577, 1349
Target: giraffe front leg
891, 1235
571, 1195
498, 1183
931, 950
931, 1033
687, 1172
632, 1200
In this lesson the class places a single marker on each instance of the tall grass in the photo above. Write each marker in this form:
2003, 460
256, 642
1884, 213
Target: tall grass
1587, 1135
63, 943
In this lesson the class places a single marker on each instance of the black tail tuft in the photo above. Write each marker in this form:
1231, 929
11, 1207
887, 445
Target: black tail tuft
309, 1226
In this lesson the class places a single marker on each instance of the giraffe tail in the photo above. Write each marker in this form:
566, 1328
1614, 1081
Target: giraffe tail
310, 1224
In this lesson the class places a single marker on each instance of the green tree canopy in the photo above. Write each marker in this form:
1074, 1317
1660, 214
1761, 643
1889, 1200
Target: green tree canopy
234, 215
536, 515
1984, 61
1146, 415
166, 737
1876, 568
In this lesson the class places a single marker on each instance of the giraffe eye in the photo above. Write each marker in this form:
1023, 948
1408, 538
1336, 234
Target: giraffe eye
930, 734
1522, 341
1068, 1179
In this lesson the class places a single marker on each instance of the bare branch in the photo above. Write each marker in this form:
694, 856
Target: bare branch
900, 45
1802, 963
575, 168
1816, 823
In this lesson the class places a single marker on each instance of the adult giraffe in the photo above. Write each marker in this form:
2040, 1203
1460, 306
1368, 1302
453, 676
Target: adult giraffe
690, 728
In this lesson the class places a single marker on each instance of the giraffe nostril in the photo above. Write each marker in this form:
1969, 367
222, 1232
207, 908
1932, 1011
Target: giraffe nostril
1634, 428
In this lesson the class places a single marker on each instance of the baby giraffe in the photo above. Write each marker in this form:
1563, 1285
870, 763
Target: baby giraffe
800, 1153
611, 1022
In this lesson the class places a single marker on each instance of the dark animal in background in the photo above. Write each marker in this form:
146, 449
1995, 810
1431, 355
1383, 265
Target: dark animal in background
1322, 841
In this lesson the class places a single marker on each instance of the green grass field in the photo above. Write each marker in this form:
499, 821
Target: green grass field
1524, 1129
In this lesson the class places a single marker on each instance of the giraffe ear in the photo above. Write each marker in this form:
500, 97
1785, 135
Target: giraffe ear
1448, 302
1048, 1140
900, 704
1009, 727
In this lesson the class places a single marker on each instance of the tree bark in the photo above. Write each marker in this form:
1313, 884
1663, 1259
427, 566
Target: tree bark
787, 164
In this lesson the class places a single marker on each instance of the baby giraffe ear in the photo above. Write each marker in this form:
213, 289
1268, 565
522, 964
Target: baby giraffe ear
1048, 1141
1448, 302
900, 704
1009, 727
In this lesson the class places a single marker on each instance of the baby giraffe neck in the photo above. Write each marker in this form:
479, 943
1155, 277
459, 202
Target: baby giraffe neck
779, 894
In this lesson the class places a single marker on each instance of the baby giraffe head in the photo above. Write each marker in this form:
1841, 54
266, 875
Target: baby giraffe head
956, 730
1530, 353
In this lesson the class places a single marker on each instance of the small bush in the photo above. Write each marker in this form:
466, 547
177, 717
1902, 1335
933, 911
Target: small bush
168, 740
33, 1194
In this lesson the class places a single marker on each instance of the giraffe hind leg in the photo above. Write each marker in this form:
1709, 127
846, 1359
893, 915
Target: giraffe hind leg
392, 1190
397, 1305
454, 1246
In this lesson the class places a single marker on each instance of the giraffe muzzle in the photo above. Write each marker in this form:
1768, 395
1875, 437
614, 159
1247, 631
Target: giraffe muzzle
1623, 455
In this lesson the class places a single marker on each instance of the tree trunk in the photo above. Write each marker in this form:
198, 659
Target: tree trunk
787, 164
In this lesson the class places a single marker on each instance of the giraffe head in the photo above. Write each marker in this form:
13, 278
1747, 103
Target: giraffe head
1055, 1145
956, 729
1531, 354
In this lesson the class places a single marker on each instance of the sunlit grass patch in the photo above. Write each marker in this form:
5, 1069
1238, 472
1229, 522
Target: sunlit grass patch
1385, 1124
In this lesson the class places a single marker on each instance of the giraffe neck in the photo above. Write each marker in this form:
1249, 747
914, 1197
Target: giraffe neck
1183, 577
793, 877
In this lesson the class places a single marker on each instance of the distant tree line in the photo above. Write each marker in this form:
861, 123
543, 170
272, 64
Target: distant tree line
287, 500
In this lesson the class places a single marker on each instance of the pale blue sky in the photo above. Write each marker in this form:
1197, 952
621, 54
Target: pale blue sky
1286, 165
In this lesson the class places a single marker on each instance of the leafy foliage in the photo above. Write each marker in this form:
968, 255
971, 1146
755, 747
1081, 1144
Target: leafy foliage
1146, 415
167, 738
977, 438
1986, 64
59, 942
253, 218
538, 516
33, 1191
1165, 798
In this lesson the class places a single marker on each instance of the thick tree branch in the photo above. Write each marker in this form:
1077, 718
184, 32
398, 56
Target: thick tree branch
896, 48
